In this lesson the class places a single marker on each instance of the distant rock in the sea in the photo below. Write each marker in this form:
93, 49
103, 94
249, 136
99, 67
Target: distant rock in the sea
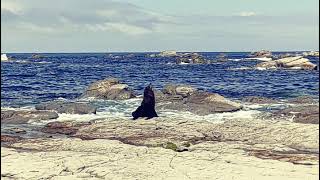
311, 53
222, 57
109, 88
167, 54
37, 56
259, 100
187, 98
68, 108
262, 55
191, 58
4, 57
298, 63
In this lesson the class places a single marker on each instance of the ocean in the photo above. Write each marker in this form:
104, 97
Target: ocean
65, 76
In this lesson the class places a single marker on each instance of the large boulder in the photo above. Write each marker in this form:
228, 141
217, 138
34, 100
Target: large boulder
22, 117
297, 62
68, 108
187, 98
110, 89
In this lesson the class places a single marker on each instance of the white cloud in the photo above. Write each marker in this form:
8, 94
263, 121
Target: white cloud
247, 14
11, 6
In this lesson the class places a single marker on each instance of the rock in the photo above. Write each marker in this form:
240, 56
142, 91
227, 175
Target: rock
17, 131
110, 89
66, 128
300, 114
37, 56
222, 58
167, 54
261, 54
302, 100
10, 139
22, 117
147, 107
69, 108
191, 58
288, 63
4, 57
182, 90
259, 100
311, 53
202, 103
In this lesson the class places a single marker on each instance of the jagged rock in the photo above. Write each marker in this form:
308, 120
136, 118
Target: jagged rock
109, 88
300, 114
259, 100
288, 63
22, 117
261, 54
69, 108
191, 58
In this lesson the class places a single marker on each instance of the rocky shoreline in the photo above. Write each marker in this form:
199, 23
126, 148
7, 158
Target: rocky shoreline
165, 147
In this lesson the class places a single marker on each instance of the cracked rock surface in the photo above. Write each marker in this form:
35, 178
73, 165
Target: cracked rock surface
118, 149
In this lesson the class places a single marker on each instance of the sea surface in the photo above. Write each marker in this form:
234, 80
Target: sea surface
65, 76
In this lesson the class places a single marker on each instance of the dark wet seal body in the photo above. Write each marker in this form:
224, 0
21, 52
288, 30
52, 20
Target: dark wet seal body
147, 107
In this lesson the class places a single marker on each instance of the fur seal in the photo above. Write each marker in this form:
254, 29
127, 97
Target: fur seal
146, 109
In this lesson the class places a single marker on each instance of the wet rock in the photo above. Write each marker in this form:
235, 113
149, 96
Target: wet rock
301, 114
22, 117
259, 100
191, 58
302, 100
110, 89
17, 131
182, 90
10, 139
298, 63
69, 108
66, 128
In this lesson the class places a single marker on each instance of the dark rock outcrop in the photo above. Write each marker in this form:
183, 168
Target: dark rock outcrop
69, 108
22, 117
110, 89
191, 58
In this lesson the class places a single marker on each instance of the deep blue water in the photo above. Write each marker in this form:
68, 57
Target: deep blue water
29, 81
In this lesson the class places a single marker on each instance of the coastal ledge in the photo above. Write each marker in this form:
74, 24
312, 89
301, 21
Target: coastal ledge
169, 149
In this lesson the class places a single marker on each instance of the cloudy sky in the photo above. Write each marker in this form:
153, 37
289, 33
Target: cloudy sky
148, 25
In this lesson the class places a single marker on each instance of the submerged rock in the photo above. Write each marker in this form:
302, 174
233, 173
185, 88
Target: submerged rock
109, 88
69, 108
288, 63
22, 117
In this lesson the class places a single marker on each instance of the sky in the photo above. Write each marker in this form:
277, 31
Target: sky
149, 25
